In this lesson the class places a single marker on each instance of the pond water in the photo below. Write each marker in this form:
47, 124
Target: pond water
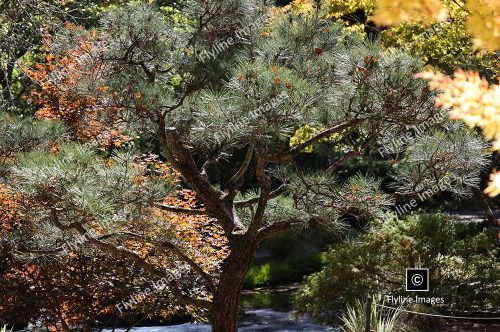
254, 320
263, 311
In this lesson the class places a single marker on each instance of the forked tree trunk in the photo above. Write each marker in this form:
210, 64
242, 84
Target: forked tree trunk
226, 303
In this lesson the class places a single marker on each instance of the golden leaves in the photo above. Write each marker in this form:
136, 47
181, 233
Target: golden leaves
484, 23
204, 240
302, 134
474, 101
302, 6
483, 17
390, 12
471, 99
338, 8
493, 188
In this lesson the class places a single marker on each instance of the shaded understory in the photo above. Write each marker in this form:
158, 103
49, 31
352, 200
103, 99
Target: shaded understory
263, 310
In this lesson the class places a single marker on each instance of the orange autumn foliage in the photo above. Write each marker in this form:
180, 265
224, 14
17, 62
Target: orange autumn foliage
9, 206
58, 285
89, 115
198, 236
207, 242
71, 291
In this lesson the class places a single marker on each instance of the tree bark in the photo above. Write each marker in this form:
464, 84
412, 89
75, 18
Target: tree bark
226, 302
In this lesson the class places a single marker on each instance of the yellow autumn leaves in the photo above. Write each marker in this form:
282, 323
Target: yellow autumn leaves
472, 100
306, 132
302, 6
483, 18
392, 12
493, 188
469, 97
484, 23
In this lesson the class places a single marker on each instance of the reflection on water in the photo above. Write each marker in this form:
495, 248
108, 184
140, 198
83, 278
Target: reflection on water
263, 311
270, 311
277, 299
270, 320
253, 320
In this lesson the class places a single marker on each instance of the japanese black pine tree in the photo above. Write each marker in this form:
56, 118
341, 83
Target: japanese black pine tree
220, 79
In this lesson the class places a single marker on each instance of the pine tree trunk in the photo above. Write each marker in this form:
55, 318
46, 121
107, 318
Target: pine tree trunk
226, 303
225, 312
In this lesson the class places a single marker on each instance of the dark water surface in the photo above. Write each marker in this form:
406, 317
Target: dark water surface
259, 320
263, 311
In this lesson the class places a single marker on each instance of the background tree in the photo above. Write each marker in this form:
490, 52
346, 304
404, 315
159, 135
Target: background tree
21, 23
479, 106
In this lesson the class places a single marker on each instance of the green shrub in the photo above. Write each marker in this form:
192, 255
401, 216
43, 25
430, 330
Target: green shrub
463, 260
292, 269
258, 276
